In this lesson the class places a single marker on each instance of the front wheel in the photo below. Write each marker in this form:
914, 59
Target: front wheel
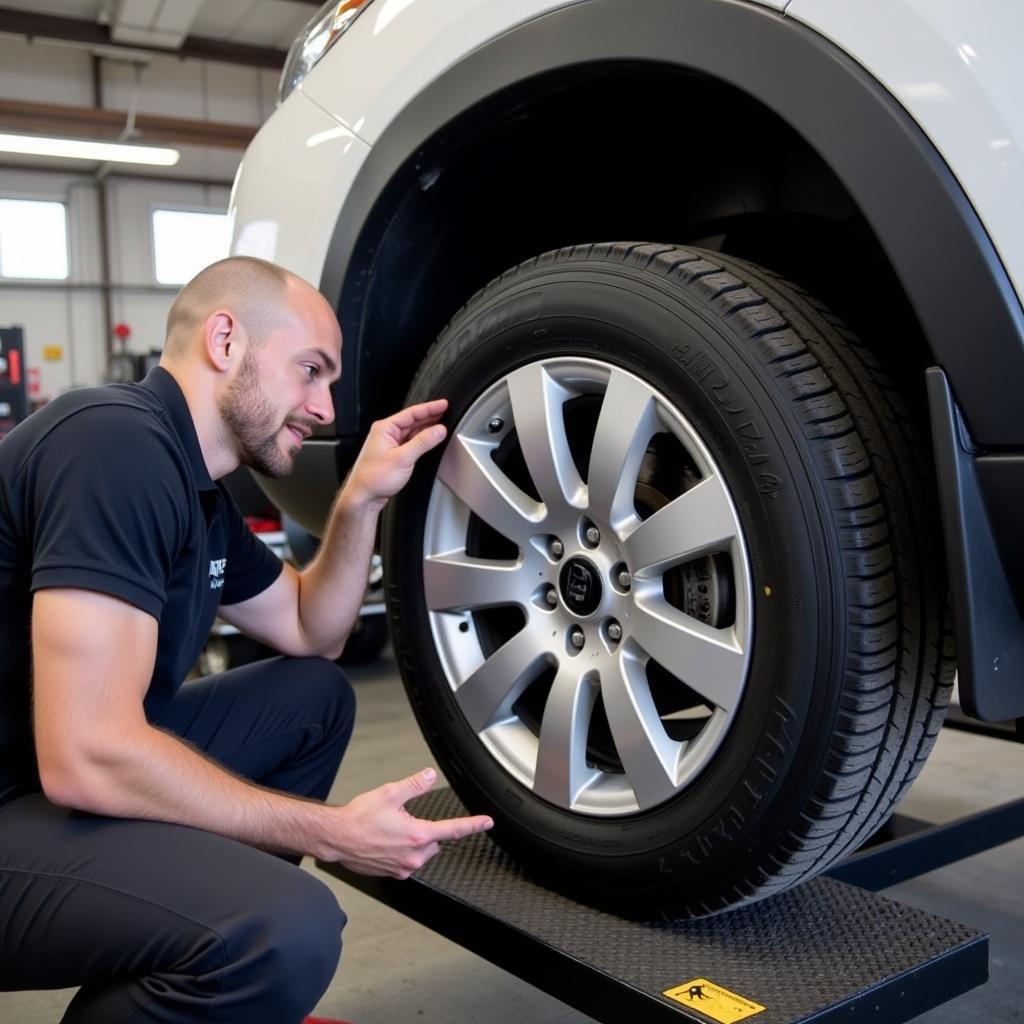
668, 605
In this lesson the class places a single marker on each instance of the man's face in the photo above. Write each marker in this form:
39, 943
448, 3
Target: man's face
281, 391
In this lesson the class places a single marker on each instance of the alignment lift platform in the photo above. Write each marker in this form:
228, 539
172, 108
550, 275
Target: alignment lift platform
829, 950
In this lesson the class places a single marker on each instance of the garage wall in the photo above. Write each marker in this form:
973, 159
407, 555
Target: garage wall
70, 314
66, 314
44, 72
136, 298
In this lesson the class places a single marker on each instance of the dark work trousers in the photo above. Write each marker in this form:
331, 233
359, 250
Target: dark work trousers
167, 923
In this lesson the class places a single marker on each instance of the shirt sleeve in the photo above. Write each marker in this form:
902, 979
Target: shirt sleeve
109, 505
252, 566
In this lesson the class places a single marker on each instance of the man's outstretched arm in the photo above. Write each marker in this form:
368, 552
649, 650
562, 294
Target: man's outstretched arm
313, 612
93, 657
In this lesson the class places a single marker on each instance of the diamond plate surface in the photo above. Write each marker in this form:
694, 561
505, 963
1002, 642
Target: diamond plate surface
797, 954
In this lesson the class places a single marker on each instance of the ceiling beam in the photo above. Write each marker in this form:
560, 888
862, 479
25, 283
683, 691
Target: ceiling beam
50, 26
99, 123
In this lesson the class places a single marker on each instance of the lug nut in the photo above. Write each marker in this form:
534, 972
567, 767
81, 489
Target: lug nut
614, 631
557, 549
624, 580
593, 535
551, 597
577, 639
495, 426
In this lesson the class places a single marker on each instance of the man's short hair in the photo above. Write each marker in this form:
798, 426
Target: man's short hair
253, 289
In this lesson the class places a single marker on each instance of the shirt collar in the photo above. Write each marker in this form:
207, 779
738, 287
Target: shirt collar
165, 387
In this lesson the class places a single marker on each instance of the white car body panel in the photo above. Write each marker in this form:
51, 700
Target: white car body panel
284, 209
395, 48
953, 66
956, 67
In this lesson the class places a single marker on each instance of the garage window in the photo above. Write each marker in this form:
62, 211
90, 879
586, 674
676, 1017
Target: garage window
33, 239
185, 241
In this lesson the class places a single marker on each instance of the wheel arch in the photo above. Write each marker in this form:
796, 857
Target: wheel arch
390, 269
453, 193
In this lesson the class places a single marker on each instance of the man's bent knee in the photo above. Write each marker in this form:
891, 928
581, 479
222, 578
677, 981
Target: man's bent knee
333, 691
292, 945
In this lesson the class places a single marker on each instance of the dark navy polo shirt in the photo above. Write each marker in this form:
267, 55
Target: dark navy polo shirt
106, 489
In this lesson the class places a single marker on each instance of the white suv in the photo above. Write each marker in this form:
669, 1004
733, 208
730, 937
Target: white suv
725, 299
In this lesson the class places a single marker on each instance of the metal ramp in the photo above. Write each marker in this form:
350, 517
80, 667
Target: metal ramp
825, 951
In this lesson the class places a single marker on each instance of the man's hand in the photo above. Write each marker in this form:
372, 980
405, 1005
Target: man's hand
382, 838
313, 613
391, 450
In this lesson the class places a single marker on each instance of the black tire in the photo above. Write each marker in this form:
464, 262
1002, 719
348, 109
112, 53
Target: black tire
851, 663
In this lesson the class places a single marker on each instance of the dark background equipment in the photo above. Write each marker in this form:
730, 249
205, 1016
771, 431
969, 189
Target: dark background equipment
13, 387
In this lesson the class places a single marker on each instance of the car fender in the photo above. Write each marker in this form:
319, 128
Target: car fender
942, 254
956, 69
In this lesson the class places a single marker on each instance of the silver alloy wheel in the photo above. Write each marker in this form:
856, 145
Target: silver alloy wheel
610, 615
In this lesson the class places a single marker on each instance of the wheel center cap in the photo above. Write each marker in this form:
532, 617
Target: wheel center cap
581, 586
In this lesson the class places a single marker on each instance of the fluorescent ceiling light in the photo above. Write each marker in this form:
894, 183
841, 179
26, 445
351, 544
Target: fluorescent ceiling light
80, 149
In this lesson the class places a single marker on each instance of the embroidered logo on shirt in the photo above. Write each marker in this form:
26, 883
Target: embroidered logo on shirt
217, 566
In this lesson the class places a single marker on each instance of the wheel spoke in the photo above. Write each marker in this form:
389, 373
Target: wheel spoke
469, 472
562, 771
708, 660
537, 496
625, 425
649, 756
457, 581
537, 402
699, 521
489, 693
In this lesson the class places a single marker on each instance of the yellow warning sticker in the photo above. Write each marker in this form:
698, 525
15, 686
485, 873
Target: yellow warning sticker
714, 1001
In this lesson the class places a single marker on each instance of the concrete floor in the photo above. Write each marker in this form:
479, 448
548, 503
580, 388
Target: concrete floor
394, 971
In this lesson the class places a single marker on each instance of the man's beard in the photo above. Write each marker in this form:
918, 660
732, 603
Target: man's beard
250, 417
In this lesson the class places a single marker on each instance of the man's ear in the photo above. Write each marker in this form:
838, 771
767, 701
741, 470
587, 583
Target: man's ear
222, 334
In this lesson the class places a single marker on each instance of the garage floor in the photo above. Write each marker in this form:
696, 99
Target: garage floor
395, 971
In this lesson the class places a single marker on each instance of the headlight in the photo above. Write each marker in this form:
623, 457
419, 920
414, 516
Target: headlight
316, 39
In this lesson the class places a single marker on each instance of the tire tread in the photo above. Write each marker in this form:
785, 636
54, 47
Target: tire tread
876, 487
